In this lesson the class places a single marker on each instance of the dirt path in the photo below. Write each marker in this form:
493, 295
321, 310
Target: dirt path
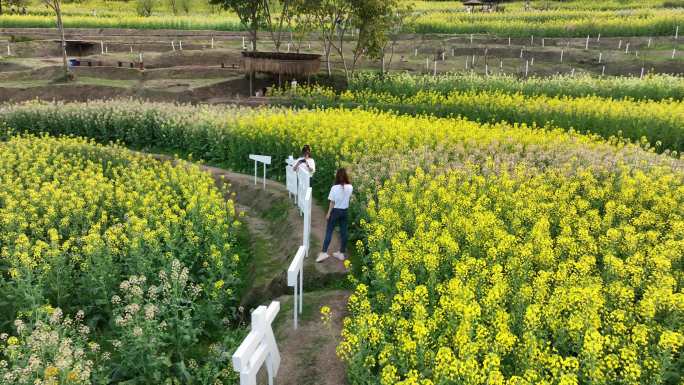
275, 228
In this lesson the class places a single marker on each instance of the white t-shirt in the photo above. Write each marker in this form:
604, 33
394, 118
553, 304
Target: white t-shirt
310, 162
340, 195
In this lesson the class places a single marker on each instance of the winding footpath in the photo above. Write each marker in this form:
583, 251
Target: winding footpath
275, 228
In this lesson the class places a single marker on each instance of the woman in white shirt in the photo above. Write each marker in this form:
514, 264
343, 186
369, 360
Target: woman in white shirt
339, 197
305, 161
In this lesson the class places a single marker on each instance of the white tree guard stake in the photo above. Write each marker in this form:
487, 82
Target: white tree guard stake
295, 278
180, 44
258, 347
586, 45
600, 57
303, 183
291, 179
649, 42
598, 39
509, 41
532, 40
603, 71
562, 52
306, 237
212, 42
434, 73
266, 160
9, 50
674, 52
102, 47
173, 45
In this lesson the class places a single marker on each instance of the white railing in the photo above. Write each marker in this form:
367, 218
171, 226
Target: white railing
306, 237
291, 179
266, 160
259, 347
295, 278
303, 184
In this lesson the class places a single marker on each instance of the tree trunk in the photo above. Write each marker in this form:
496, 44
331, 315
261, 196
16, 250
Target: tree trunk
254, 41
327, 61
60, 26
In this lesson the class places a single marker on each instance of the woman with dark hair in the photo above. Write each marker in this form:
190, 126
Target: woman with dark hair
339, 197
305, 161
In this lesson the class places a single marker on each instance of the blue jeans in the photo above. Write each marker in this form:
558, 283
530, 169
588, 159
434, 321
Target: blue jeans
338, 216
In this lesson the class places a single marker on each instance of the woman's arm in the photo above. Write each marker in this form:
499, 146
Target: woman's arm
330, 209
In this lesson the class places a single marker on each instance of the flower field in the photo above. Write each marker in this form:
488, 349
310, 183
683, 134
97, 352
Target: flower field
489, 253
554, 23
659, 122
567, 19
653, 87
114, 267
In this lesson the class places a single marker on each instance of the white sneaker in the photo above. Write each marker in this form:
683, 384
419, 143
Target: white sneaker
322, 257
339, 256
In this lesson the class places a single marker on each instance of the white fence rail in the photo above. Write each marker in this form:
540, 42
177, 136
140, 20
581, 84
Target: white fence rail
259, 347
266, 160
295, 278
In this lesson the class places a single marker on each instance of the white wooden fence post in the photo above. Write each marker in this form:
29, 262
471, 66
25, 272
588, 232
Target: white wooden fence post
258, 347
303, 183
306, 237
295, 278
291, 178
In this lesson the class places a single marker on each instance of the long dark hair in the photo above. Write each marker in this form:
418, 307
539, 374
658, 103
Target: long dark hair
341, 177
306, 150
